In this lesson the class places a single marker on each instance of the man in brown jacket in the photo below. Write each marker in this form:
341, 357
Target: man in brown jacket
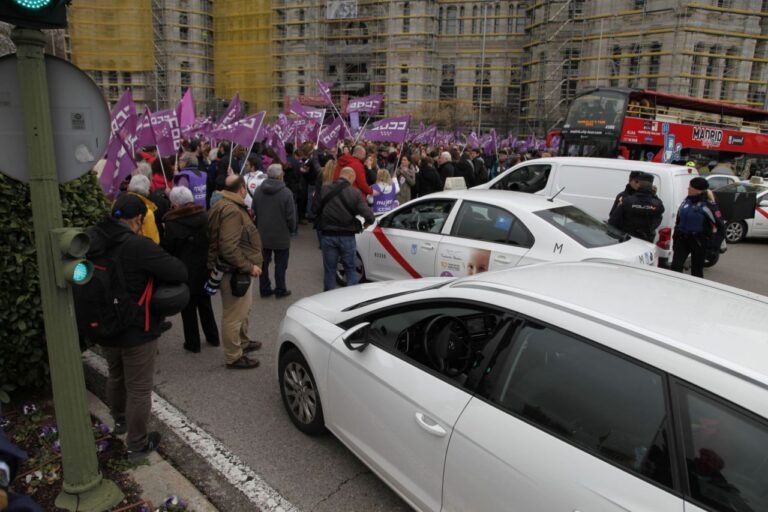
235, 245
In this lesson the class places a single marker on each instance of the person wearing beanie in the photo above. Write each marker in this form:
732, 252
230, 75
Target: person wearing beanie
131, 354
640, 213
628, 190
697, 220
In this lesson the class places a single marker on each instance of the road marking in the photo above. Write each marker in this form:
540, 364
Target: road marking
229, 465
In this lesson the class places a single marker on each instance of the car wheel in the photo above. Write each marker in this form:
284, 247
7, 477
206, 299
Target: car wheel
711, 259
341, 276
735, 231
300, 394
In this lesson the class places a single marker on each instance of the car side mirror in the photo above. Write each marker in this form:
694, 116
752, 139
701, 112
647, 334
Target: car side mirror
356, 338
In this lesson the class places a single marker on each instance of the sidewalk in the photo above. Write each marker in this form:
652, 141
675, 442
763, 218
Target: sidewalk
158, 479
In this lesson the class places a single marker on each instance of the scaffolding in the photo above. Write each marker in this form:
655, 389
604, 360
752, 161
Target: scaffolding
242, 52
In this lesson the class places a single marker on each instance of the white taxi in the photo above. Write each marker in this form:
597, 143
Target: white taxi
465, 232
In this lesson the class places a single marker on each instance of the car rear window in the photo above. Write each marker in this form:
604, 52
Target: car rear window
743, 187
582, 227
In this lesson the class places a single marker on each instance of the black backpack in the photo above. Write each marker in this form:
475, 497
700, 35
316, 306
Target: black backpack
103, 307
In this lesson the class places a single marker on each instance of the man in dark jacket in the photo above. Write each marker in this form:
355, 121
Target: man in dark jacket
337, 210
445, 167
480, 172
639, 214
628, 190
131, 355
428, 180
186, 237
275, 216
463, 167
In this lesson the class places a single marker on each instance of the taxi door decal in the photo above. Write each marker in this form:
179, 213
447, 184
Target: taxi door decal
384, 241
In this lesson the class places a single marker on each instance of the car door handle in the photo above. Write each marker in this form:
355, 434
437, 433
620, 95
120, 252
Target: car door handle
428, 247
430, 425
502, 259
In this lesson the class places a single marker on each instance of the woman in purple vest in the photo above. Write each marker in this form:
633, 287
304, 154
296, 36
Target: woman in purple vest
384, 193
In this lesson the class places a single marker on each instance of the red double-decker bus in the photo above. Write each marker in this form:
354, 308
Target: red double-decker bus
650, 125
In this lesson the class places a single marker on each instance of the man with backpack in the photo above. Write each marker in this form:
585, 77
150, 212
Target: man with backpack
335, 214
114, 311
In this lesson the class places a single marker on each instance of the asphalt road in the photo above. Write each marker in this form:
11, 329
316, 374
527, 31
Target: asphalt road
244, 411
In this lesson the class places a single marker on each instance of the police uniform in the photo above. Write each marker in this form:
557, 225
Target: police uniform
628, 191
639, 214
695, 222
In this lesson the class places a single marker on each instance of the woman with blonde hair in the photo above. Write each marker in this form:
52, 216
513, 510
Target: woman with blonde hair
384, 193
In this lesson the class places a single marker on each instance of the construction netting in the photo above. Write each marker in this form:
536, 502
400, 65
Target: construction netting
111, 35
242, 51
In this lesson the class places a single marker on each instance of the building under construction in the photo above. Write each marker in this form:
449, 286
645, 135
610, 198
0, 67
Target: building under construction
511, 65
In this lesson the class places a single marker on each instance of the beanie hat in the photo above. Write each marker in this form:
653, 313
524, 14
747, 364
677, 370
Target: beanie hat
699, 183
127, 207
644, 176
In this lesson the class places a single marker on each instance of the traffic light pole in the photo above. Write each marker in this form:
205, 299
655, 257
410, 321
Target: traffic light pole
84, 488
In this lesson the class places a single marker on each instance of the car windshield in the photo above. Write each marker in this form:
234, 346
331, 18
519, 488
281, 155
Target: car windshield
743, 187
582, 227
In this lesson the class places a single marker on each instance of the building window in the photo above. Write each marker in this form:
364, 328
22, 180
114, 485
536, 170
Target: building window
461, 19
730, 71
440, 21
634, 65
570, 72
575, 8
183, 28
696, 69
112, 77
406, 17
654, 65
638, 4
481, 92
448, 82
403, 91
496, 17
450, 19
474, 19
615, 66
186, 76
726, 4
302, 26
302, 89
757, 88
126, 78
712, 65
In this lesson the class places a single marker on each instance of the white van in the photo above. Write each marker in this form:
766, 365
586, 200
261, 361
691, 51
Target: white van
593, 183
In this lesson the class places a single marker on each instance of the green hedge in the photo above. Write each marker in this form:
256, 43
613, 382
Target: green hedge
23, 356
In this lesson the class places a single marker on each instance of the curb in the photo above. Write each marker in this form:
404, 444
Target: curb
158, 480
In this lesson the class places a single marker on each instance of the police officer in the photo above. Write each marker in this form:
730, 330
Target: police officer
639, 214
628, 190
697, 220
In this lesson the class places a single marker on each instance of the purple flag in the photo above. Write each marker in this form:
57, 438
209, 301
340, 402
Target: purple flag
242, 132
368, 105
392, 129
472, 141
124, 118
491, 144
330, 134
165, 124
145, 135
185, 110
274, 142
119, 164
457, 135
232, 113
324, 88
201, 128
315, 114
427, 136
297, 108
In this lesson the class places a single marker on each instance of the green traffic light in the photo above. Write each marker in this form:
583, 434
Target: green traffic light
33, 4
80, 273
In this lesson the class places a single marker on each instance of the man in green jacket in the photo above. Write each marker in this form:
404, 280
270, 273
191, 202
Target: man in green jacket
235, 247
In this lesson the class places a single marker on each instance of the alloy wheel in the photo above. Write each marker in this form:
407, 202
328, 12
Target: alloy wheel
734, 232
300, 392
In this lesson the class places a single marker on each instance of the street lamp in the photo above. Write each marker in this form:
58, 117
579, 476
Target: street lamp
485, 6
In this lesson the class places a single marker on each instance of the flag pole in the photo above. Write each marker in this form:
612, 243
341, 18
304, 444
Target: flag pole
255, 135
362, 130
232, 147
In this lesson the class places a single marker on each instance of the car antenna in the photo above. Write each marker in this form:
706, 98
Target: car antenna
552, 199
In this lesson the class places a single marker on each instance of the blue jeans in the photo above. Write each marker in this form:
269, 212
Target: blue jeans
335, 247
281, 266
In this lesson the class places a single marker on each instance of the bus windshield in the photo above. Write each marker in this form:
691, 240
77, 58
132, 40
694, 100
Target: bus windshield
596, 114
